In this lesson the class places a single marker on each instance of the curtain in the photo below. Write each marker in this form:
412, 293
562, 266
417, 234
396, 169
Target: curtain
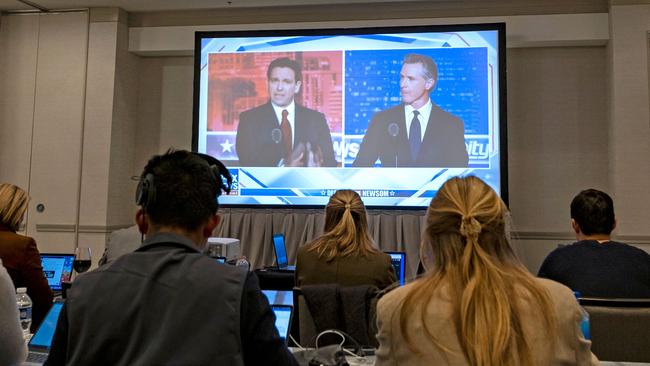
391, 230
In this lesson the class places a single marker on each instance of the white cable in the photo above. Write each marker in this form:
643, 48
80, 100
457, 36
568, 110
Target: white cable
353, 354
343, 338
334, 332
296, 343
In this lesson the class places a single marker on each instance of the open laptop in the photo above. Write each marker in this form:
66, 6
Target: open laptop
283, 315
39, 345
57, 268
398, 260
278, 297
281, 254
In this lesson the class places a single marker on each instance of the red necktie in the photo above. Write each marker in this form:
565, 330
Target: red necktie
286, 133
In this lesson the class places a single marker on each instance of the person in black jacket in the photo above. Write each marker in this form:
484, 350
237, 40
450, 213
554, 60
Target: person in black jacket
596, 266
166, 303
281, 132
416, 133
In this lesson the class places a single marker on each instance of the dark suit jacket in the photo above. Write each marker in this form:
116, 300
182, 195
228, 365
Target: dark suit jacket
255, 145
443, 144
22, 260
354, 270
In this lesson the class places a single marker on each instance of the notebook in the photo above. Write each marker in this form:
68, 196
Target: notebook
39, 345
398, 260
283, 315
57, 268
281, 253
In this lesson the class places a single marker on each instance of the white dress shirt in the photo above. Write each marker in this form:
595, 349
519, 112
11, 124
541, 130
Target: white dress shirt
425, 112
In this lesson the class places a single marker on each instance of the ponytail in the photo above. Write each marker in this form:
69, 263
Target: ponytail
476, 267
346, 228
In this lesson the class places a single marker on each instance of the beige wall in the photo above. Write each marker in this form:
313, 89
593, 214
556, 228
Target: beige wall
43, 90
164, 106
68, 96
557, 139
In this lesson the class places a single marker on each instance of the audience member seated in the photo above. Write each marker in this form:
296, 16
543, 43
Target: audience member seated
12, 346
121, 242
476, 303
20, 254
595, 266
166, 303
127, 240
344, 254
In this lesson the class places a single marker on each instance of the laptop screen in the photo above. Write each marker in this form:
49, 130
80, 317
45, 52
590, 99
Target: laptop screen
43, 336
57, 268
280, 250
398, 260
283, 319
277, 297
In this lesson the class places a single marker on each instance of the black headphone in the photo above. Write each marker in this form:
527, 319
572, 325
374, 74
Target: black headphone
145, 194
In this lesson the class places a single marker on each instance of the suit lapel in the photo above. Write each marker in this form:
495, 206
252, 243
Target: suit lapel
270, 121
299, 126
403, 141
403, 146
273, 121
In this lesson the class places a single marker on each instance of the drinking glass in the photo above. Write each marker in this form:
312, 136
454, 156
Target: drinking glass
81, 261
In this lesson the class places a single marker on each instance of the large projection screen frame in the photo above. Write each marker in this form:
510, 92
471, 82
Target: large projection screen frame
501, 96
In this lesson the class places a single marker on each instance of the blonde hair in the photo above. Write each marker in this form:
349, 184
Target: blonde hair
346, 228
469, 253
13, 204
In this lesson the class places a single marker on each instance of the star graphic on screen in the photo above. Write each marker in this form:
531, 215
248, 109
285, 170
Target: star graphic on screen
226, 146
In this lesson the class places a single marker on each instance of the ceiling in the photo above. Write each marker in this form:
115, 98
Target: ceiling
162, 5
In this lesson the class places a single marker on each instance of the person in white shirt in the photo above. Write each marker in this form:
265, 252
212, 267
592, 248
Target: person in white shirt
13, 349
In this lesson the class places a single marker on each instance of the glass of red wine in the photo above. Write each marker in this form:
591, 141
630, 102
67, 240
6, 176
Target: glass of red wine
81, 261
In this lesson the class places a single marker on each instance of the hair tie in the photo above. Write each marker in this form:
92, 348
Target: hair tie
347, 205
469, 226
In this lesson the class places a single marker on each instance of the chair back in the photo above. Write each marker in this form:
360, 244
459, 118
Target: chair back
348, 309
620, 328
306, 326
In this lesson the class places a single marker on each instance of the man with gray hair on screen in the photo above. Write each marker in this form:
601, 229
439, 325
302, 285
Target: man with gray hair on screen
417, 132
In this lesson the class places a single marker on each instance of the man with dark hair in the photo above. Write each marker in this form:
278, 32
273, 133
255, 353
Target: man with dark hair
281, 132
166, 303
416, 133
595, 266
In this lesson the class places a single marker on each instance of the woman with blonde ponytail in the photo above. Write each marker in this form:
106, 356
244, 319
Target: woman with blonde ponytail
345, 254
477, 304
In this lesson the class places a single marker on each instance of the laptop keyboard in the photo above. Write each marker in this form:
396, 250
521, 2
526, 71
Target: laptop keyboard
36, 357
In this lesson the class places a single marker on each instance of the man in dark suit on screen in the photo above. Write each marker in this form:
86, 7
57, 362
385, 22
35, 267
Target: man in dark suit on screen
416, 133
282, 132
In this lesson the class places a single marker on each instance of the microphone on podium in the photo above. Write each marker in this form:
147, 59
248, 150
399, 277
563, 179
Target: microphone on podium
393, 131
276, 135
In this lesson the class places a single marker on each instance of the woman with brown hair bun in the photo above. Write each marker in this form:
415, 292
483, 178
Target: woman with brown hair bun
477, 304
345, 254
19, 253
